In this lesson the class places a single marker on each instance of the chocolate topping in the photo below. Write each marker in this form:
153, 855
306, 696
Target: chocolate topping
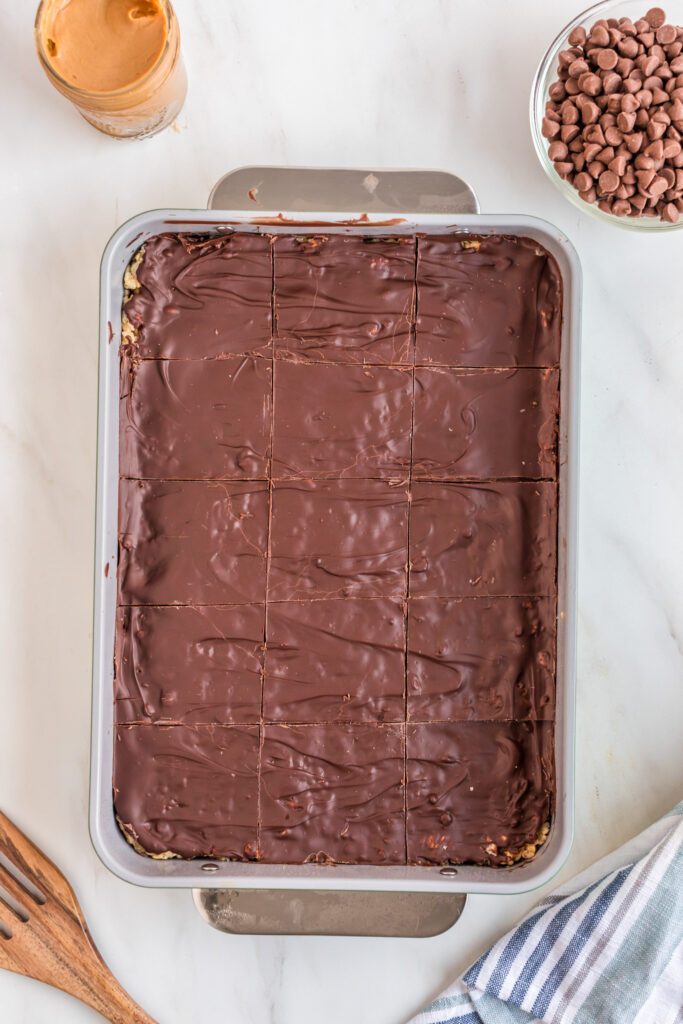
481, 658
487, 301
190, 791
482, 424
341, 421
196, 419
477, 789
328, 565
338, 538
343, 299
335, 661
192, 543
189, 665
468, 540
333, 793
203, 297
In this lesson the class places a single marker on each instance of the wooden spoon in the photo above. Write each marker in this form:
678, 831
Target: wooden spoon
43, 933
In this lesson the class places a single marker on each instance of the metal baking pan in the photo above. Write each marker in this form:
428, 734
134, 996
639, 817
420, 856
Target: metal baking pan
215, 875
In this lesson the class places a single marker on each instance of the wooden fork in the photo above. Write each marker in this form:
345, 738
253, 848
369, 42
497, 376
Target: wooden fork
43, 933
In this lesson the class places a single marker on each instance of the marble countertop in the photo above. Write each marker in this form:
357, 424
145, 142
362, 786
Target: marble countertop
391, 83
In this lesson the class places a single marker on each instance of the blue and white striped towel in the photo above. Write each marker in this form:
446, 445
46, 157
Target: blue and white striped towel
606, 948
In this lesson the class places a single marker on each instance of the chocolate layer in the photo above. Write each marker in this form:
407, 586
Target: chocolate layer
338, 538
468, 540
189, 665
335, 661
332, 793
190, 791
264, 591
477, 789
344, 299
481, 658
341, 421
195, 419
203, 297
192, 543
487, 301
480, 424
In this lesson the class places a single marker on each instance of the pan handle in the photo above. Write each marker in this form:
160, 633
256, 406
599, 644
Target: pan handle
327, 912
334, 189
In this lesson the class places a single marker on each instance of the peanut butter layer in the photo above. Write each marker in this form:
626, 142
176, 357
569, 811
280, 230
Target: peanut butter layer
104, 45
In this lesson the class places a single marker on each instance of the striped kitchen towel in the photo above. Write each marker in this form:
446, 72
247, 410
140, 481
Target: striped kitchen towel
606, 948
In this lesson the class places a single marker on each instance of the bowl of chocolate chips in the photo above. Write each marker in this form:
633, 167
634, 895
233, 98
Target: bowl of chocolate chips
607, 114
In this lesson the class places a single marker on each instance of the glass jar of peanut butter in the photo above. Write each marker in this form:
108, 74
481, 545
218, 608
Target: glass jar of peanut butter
118, 61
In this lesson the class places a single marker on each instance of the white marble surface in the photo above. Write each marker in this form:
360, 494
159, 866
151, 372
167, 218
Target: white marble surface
439, 83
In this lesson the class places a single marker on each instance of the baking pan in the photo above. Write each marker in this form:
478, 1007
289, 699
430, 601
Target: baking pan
109, 843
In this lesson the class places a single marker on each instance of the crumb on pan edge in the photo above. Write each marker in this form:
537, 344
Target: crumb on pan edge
526, 852
131, 285
139, 848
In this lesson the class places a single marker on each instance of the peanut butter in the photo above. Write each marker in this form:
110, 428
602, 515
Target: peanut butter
104, 45
118, 61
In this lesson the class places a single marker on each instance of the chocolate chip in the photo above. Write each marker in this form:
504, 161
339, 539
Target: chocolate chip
621, 207
611, 82
644, 178
577, 68
549, 129
666, 34
670, 213
590, 112
655, 130
608, 59
557, 151
590, 84
628, 47
655, 17
608, 182
577, 37
583, 182
625, 122
618, 164
599, 36
563, 167
658, 186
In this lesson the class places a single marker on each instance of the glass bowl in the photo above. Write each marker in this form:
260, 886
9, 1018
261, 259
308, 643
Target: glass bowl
547, 74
